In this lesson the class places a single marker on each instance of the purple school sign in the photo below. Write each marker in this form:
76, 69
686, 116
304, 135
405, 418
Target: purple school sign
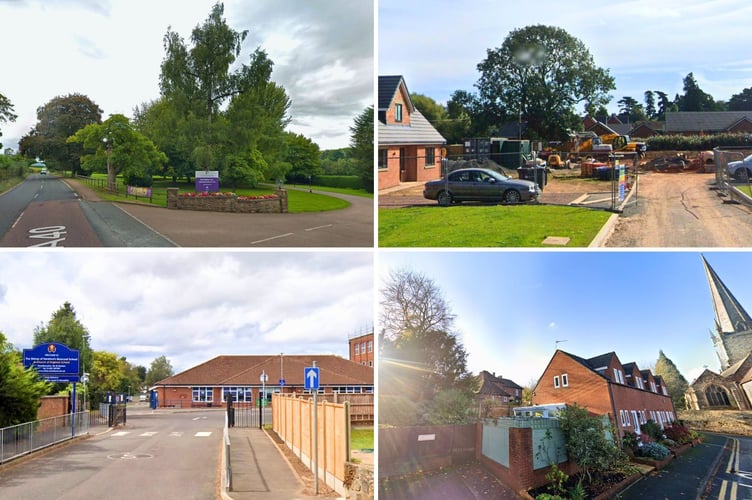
207, 181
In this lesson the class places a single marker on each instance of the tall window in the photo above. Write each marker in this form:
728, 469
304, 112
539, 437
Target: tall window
383, 158
370, 346
565, 380
556, 382
398, 113
357, 348
430, 156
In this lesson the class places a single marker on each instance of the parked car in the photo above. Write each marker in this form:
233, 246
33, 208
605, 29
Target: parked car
43, 171
480, 184
740, 170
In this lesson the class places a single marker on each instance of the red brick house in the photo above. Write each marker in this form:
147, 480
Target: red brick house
361, 349
708, 122
410, 148
498, 389
604, 385
207, 384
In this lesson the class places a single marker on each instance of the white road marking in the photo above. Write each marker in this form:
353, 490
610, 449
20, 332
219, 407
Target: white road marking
319, 227
120, 433
272, 238
17, 220
202, 434
148, 434
176, 434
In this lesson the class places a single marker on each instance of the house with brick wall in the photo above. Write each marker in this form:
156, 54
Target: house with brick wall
361, 349
208, 384
410, 148
708, 122
606, 386
497, 389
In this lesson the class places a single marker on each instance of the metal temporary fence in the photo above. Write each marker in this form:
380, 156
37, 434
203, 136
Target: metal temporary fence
727, 184
22, 439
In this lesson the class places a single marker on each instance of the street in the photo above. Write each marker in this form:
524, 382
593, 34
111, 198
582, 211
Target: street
733, 481
44, 211
156, 455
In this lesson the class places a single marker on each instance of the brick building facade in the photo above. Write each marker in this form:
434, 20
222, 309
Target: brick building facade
362, 349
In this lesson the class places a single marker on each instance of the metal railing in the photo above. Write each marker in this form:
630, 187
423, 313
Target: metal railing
22, 439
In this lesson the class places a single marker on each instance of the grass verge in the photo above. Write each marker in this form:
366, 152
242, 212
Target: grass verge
488, 226
361, 438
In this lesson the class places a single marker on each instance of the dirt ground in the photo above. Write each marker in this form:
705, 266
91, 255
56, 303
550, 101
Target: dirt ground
682, 210
723, 421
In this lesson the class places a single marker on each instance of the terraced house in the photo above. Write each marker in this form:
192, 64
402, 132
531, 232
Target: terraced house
410, 148
605, 385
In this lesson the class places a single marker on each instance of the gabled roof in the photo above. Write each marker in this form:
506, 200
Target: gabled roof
730, 316
388, 88
740, 370
493, 385
707, 121
247, 370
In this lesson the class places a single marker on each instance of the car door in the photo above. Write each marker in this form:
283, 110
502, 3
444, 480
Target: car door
460, 185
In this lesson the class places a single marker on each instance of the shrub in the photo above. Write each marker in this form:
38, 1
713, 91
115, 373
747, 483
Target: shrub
679, 433
631, 441
670, 443
654, 450
652, 429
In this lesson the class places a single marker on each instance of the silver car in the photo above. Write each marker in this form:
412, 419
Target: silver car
480, 184
740, 170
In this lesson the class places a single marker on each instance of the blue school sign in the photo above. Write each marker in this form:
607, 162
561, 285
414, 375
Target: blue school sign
54, 362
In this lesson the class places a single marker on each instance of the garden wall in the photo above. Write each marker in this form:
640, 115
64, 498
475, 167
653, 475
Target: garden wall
228, 202
406, 450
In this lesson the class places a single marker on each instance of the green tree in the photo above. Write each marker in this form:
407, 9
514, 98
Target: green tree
361, 146
694, 98
540, 73
421, 354
586, 442
430, 109
650, 109
451, 406
664, 105
741, 101
675, 382
160, 369
116, 147
170, 132
303, 155
57, 120
106, 376
65, 328
6, 112
633, 109
20, 389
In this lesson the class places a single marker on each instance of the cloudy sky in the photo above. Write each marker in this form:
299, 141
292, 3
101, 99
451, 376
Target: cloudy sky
513, 307
192, 306
111, 51
646, 45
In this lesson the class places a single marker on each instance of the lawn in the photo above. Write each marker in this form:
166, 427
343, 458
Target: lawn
297, 201
361, 438
488, 226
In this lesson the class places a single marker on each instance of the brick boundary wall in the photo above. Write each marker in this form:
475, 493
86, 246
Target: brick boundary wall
230, 203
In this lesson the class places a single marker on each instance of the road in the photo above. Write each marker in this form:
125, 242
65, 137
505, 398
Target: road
165, 455
44, 211
682, 210
733, 481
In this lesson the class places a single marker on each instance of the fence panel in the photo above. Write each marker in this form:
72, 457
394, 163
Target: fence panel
292, 420
22, 439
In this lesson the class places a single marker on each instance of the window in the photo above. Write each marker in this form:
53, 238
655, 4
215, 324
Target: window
398, 112
239, 394
370, 346
618, 376
357, 349
363, 347
652, 387
203, 394
383, 155
556, 382
565, 380
430, 156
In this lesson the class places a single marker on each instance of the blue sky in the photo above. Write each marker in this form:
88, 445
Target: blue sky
512, 307
647, 45
111, 51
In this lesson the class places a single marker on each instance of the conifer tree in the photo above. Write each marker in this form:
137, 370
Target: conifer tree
675, 382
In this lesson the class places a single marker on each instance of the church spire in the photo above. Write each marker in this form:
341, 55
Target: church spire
730, 319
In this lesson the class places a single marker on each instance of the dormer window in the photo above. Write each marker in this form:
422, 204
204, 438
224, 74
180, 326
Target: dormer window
398, 113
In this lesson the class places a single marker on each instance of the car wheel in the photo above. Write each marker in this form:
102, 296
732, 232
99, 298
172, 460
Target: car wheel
512, 196
444, 199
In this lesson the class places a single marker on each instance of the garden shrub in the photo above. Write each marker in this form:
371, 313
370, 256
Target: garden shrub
631, 441
652, 429
654, 450
679, 433
670, 443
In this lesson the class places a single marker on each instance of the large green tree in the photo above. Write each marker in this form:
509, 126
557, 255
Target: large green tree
160, 369
741, 101
116, 147
420, 351
675, 382
20, 389
57, 120
361, 146
6, 112
65, 328
539, 75
303, 155
694, 98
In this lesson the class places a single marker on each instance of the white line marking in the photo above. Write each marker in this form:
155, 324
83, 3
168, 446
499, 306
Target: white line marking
17, 220
176, 434
272, 238
319, 227
202, 434
120, 433
147, 434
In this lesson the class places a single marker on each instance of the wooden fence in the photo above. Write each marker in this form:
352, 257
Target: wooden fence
361, 405
292, 420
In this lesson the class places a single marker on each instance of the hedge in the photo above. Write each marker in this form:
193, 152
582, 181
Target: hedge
697, 142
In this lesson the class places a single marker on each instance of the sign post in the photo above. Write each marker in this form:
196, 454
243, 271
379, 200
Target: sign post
55, 363
262, 400
311, 378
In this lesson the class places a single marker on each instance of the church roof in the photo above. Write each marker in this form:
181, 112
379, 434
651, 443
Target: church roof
730, 316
